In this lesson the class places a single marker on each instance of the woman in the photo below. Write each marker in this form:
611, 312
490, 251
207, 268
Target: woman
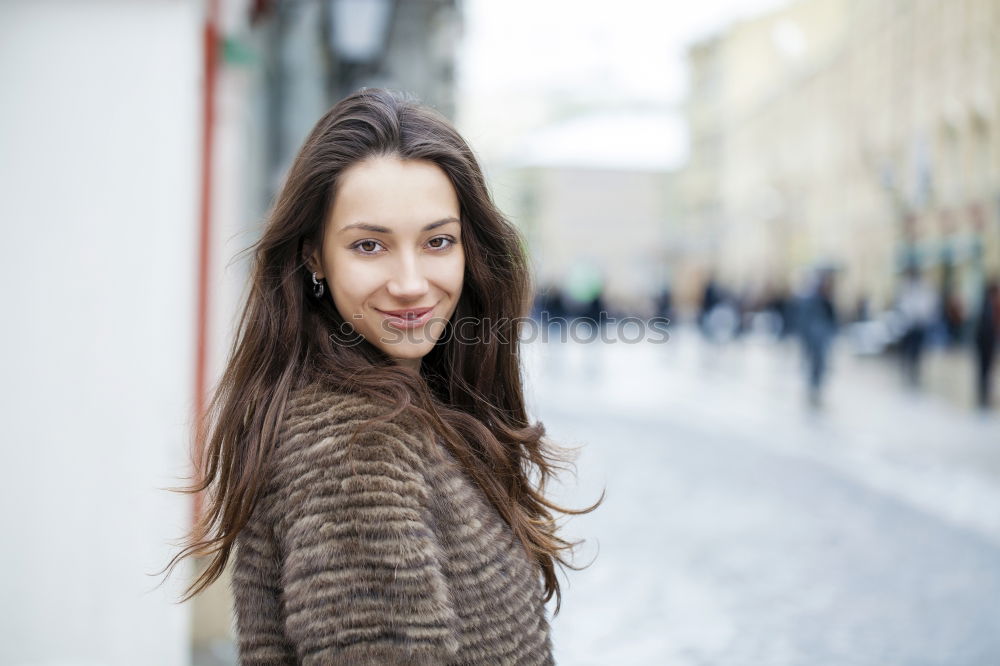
370, 458
987, 326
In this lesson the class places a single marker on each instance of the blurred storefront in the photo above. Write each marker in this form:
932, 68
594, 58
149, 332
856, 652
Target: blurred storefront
866, 134
310, 54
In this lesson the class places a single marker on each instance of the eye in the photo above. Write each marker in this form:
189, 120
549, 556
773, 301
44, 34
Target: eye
367, 246
441, 242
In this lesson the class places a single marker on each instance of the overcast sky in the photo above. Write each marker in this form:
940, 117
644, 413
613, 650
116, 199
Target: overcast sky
519, 57
633, 48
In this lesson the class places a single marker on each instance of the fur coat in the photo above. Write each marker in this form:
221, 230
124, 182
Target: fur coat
380, 551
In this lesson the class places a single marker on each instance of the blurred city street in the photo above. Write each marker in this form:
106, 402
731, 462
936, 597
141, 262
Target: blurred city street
806, 471
742, 527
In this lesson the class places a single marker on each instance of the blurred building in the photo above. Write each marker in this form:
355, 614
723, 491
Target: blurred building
599, 228
860, 132
594, 196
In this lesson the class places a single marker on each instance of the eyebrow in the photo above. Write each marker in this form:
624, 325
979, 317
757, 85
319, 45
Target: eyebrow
374, 228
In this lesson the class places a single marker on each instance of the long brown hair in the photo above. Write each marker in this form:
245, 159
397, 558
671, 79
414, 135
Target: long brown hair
469, 388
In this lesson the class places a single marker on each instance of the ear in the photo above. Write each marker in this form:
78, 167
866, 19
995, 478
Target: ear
311, 257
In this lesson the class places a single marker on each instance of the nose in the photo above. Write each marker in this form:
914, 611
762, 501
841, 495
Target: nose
407, 281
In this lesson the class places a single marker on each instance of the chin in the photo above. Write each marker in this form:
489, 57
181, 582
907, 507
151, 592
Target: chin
409, 354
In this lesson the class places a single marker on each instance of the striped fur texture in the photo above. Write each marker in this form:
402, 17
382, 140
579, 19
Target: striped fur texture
380, 551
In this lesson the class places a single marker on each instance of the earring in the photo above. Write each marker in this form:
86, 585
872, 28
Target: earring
318, 288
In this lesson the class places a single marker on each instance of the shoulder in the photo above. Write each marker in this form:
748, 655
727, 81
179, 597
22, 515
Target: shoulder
334, 430
315, 404
339, 463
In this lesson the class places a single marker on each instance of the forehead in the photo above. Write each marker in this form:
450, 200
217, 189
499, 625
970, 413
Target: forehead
392, 192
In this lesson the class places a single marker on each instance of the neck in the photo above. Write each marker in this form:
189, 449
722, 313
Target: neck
412, 363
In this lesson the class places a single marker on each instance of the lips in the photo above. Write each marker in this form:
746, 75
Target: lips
412, 313
407, 319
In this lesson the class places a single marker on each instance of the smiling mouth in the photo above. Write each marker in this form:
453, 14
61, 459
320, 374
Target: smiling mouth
413, 313
407, 318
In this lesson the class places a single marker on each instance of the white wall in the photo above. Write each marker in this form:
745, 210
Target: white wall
99, 169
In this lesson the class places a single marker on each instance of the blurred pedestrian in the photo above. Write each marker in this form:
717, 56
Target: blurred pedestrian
862, 309
595, 308
663, 303
710, 297
780, 304
816, 324
986, 341
952, 318
917, 307
549, 300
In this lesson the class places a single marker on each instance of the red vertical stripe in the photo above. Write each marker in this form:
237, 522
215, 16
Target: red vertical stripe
211, 63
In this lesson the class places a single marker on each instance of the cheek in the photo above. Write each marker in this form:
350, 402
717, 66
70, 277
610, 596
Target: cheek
450, 273
352, 283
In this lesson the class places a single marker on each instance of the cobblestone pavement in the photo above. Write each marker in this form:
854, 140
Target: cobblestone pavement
741, 527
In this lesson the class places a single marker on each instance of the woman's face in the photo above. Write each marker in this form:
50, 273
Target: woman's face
392, 254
